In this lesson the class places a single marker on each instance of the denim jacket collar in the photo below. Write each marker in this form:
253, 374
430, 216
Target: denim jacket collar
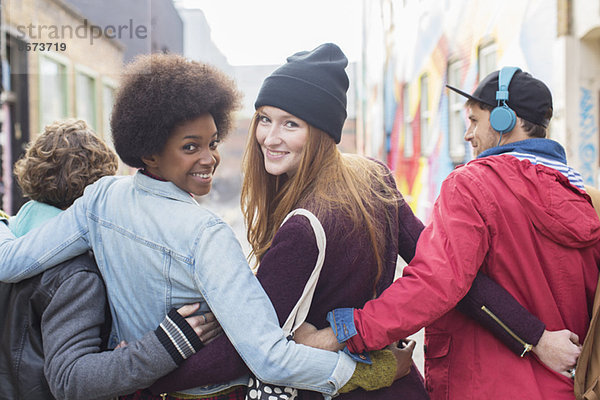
161, 188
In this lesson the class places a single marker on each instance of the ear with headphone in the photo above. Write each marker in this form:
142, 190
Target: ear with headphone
503, 118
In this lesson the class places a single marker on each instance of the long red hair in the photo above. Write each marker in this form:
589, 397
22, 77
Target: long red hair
329, 181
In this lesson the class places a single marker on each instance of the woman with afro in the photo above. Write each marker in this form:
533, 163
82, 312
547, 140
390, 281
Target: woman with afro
55, 324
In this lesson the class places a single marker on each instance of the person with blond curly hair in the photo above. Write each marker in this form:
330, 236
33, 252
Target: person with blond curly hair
55, 324
57, 167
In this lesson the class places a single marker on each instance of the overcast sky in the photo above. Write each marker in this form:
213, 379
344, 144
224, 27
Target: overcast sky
267, 31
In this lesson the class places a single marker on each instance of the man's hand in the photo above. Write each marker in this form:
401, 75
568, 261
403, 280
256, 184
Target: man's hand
559, 350
403, 356
324, 339
206, 325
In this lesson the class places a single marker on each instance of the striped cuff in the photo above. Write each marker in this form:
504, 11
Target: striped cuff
178, 337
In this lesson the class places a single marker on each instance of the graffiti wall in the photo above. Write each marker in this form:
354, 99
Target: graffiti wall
423, 39
588, 129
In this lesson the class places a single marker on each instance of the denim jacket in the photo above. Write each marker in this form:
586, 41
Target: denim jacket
156, 248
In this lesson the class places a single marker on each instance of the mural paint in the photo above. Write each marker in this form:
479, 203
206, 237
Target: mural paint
587, 133
423, 39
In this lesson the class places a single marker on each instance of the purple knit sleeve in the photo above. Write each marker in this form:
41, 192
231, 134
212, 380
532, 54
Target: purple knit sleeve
409, 230
409, 226
501, 308
283, 273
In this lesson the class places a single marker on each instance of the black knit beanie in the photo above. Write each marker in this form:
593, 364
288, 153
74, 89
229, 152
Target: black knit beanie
312, 86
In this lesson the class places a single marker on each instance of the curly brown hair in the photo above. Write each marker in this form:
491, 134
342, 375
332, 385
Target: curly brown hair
161, 91
62, 161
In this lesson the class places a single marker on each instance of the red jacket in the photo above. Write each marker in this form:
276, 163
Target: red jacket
532, 232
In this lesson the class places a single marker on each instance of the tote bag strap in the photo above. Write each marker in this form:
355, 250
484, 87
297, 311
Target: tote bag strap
300, 311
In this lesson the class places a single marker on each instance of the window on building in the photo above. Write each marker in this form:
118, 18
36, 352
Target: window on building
409, 146
53, 90
108, 98
456, 122
425, 116
85, 92
487, 60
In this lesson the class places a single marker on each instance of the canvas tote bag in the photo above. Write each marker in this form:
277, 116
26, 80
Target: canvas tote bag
258, 390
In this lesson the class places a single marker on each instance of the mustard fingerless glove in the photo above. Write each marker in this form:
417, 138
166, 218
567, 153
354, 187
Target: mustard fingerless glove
379, 374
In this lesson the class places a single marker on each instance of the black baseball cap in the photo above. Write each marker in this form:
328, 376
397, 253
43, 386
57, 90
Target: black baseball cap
528, 97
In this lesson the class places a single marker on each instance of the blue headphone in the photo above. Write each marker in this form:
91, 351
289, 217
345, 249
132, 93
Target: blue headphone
503, 118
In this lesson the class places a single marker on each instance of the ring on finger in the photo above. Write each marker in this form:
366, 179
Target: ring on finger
203, 319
